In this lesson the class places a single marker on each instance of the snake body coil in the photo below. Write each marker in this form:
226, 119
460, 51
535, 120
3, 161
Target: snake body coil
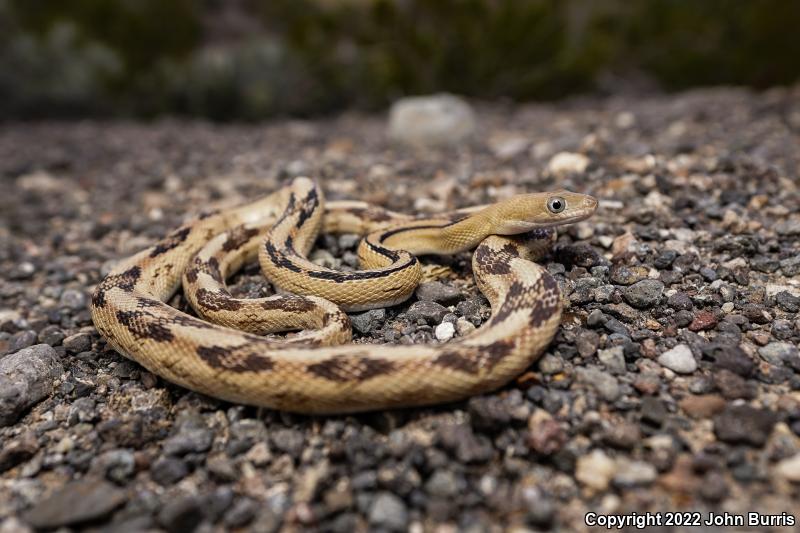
309, 373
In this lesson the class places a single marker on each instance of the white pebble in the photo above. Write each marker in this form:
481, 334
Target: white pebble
568, 162
445, 331
679, 359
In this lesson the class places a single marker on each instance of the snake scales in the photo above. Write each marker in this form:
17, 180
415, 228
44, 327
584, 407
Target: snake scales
313, 372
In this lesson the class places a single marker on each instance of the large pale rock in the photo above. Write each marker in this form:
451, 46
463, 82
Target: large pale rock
436, 120
26, 378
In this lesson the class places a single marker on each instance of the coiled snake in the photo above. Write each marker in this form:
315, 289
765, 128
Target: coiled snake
310, 373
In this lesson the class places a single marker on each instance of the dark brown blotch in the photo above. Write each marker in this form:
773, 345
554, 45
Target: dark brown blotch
238, 237
351, 368
171, 242
125, 281
234, 359
217, 300
492, 262
288, 303
458, 361
145, 326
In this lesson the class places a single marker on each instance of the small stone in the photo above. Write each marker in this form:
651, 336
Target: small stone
788, 301
241, 513
368, 321
26, 378
181, 514
578, 254
587, 342
631, 474
77, 502
389, 512
778, 353
653, 411
550, 364
789, 469
679, 359
436, 291
80, 342
665, 259
289, 441
730, 357
51, 335
445, 331
744, 424
788, 227
464, 327
595, 470
22, 339
625, 275
73, 299
732, 386
191, 438
116, 465
606, 385
442, 484
568, 163
18, 451
702, 406
643, 294
430, 312
703, 321
168, 471
545, 435
489, 413
431, 120
613, 359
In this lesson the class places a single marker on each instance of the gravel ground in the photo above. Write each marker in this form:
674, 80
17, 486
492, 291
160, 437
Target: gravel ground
673, 384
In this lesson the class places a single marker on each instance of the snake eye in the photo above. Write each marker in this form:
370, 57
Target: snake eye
556, 204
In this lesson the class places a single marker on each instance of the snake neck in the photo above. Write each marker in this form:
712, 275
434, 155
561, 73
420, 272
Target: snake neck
440, 237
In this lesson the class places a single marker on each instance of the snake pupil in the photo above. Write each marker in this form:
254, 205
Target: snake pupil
556, 205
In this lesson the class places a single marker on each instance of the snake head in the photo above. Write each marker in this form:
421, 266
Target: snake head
527, 212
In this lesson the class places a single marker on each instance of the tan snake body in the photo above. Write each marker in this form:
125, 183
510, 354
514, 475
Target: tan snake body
305, 375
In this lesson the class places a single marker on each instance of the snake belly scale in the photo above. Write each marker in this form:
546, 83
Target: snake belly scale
312, 373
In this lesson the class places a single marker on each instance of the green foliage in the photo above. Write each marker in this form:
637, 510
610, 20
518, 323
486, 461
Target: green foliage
148, 57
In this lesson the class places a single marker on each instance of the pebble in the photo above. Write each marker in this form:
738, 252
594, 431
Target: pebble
778, 353
167, 471
73, 299
75, 503
26, 378
789, 469
744, 424
679, 359
436, 291
181, 514
22, 339
606, 385
80, 342
51, 335
464, 327
389, 512
702, 406
703, 321
613, 359
445, 331
630, 474
430, 312
431, 120
564, 163
643, 294
595, 470
192, 437
625, 275
365, 322
787, 301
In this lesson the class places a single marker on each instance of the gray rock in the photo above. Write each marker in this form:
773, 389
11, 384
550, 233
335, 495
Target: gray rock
680, 301
192, 437
369, 320
604, 383
788, 227
679, 359
51, 335
791, 266
430, 312
788, 301
182, 514
288, 441
744, 424
116, 465
77, 502
613, 359
431, 120
80, 342
73, 299
643, 294
442, 484
445, 331
21, 339
389, 512
778, 353
168, 471
26, 378
436, 291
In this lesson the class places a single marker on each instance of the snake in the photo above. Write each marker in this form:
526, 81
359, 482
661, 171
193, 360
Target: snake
226, 351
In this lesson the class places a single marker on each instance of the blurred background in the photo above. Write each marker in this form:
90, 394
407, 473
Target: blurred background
252, 59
